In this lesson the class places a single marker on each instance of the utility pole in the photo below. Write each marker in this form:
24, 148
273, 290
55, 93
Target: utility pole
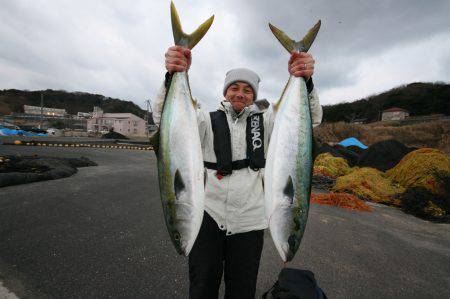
42, 110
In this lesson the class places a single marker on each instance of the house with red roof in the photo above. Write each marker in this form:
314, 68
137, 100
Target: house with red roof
394, 113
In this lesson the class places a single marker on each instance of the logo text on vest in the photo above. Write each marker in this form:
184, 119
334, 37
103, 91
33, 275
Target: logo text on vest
256, 134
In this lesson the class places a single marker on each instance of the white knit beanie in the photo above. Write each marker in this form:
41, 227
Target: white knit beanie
242, 75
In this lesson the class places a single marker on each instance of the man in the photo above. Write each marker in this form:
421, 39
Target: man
230, 240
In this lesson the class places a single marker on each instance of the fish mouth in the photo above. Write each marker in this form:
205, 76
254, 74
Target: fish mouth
289, 256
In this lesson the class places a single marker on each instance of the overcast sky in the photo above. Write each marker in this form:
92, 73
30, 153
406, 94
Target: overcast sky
116, 48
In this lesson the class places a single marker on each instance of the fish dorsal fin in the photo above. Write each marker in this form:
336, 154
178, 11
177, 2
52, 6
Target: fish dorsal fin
183, 39
178, 184
277, 105
154, 141
288, 190
290, 44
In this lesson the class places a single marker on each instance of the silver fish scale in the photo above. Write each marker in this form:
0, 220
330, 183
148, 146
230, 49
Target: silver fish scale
289, 155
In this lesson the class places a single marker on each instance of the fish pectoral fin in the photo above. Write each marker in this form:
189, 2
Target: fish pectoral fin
194, 103
178, 185
290, 44
183, 39
288, 190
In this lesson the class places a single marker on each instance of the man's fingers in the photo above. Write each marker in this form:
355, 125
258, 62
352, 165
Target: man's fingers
294, 60
174, 54
187, 53
304, 74
175, 68
303, 60
301, 68
176, 48
295, 54
176, 61
301, 64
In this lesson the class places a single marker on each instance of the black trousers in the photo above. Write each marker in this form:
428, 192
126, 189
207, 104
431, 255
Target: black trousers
214, 253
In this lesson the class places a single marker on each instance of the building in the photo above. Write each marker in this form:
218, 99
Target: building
394, 113
84, 114
36, 110
126, 124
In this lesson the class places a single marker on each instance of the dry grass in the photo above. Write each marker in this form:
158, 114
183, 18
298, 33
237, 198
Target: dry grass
433, 134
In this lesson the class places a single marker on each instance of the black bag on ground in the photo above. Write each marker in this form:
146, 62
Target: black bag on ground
295, 284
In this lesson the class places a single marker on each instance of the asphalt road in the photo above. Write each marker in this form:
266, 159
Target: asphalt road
100, 233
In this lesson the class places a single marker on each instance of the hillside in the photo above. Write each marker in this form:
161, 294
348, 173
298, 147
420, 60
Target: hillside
417, 98
12, 100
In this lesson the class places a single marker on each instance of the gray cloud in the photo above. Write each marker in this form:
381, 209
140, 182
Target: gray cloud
117, 49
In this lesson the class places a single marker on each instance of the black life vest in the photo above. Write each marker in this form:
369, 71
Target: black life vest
222, 144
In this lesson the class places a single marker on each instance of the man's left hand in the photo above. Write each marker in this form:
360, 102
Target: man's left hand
301, 64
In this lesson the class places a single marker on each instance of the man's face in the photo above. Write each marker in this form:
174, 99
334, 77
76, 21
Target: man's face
240, 95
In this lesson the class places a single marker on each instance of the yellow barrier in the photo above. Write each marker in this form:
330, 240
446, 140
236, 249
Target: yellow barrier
18, 142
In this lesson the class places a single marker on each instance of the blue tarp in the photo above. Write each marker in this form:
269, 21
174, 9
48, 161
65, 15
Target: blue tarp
352, 141
9, 132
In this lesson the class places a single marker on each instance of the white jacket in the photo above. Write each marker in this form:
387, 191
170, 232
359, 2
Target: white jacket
235, 202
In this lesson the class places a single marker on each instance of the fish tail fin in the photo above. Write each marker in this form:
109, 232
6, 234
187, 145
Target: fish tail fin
183, 39
290, 44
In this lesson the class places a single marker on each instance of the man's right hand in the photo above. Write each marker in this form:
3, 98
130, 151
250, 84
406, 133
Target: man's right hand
178, 59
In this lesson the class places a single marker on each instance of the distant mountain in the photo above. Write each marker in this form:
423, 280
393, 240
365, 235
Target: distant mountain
12, 100
417, 98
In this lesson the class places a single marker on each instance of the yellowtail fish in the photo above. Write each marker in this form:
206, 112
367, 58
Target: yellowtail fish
179, 152
288, 171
